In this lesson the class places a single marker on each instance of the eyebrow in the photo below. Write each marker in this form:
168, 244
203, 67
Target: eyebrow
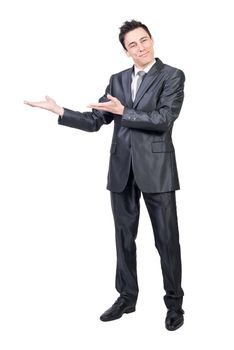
134, 42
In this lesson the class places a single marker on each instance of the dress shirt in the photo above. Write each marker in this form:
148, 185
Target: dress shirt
135, 77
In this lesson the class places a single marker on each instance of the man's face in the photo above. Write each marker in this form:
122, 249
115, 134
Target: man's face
140, 47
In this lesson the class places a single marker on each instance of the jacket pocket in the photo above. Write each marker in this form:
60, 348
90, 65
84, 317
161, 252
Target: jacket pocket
113, 148
162, 147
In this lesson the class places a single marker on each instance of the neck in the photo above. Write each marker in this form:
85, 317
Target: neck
142, 67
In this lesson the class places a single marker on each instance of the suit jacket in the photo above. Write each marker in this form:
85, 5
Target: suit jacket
143, 135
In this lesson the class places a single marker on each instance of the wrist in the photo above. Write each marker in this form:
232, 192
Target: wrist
121, 110
60, 111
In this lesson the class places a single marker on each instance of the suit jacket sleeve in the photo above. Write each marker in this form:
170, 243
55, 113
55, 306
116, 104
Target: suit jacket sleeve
168, 107
87, 121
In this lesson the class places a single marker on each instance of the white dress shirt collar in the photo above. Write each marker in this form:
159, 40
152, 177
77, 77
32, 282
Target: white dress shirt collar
136, 70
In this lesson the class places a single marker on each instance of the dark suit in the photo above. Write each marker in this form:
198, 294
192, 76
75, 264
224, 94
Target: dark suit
142, 159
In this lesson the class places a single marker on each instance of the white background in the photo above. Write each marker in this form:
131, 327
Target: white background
57, 252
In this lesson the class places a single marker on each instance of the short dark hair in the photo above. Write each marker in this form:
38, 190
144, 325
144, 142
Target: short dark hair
128, 26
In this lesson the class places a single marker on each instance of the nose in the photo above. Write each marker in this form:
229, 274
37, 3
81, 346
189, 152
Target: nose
141, 47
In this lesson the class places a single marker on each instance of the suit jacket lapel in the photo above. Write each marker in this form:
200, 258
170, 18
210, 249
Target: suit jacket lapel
126, 83
148, 80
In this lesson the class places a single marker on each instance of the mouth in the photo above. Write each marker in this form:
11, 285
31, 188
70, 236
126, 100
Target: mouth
143, 55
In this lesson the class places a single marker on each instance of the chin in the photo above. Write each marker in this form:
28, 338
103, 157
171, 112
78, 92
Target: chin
145, 62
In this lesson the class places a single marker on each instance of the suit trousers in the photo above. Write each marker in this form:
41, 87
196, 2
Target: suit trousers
162, 211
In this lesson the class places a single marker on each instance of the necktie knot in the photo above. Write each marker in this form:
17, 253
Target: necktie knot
141, 74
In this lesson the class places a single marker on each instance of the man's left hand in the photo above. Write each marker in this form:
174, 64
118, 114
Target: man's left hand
113, 106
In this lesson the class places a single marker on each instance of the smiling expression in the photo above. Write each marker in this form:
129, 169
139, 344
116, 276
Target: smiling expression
140, 47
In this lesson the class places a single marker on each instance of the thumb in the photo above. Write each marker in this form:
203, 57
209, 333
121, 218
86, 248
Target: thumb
112, 98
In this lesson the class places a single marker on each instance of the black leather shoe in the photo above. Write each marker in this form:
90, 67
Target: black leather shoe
174, 319
117, 310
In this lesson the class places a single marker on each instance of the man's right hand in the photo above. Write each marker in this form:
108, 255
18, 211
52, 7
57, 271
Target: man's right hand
49, 104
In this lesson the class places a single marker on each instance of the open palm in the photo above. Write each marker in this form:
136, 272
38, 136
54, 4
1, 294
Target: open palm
48, 104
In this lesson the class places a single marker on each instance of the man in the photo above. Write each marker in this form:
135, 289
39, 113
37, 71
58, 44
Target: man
144, 101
